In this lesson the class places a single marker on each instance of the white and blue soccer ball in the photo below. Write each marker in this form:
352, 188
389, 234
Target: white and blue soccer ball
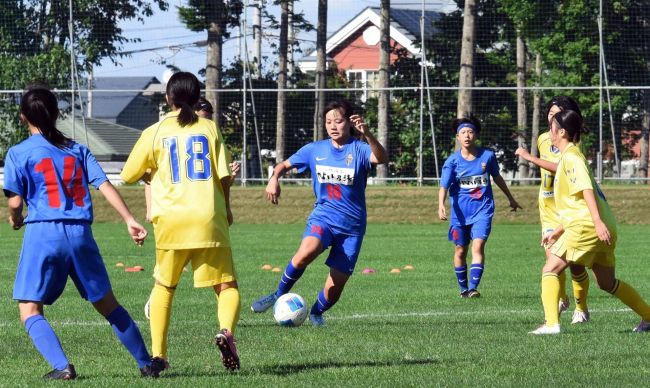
290, 310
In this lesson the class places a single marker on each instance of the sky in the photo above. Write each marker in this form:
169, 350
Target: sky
162, 34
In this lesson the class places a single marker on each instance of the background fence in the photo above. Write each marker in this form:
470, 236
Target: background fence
597, 52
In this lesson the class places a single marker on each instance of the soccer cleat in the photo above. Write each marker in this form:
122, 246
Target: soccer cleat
153, 370
264, 303
464, 294
643, 327
543, 330
473, 293
226, 344
317, 320
563, 305
147, 308
580, 317
67, 373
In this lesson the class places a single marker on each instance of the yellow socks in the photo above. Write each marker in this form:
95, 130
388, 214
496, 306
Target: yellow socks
562, 278
160, 311
228, 307
551, 298
631, 298
580, 290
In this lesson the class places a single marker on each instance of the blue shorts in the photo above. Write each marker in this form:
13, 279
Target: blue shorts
51, 252
462, 234
345, 248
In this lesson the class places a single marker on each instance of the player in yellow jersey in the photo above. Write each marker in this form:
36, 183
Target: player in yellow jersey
190, 210
587, 231
549, 156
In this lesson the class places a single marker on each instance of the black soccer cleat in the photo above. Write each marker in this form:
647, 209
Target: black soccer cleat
67, 373
473, 293
226, 345
153, 370
464, 294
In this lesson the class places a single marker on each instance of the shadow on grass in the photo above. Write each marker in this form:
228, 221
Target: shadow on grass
289, 369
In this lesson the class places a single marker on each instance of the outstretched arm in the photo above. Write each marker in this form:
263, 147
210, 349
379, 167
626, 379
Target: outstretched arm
138, 232
539, 162
273, 187
504, 187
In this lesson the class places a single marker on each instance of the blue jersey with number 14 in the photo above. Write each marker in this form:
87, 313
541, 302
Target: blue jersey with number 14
52, 181
338, 178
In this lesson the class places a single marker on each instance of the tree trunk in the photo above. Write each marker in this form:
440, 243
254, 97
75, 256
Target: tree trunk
257, 36
213, 69
521, 105
384, 82
282, 82
536, 113
466, 76
291, 37
645, 136
321, 67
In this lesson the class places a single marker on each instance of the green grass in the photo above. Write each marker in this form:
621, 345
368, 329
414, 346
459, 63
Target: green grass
409, 329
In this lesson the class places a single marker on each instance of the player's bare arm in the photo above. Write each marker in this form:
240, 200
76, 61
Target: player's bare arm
601, 229
379, 154
137, 232
545, 164
273, 187
442, 196
514, 205
16, 219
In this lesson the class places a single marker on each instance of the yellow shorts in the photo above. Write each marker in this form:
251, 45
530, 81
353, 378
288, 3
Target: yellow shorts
210, 266
586, 256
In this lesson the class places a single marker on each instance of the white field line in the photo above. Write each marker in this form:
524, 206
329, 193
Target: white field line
265, 317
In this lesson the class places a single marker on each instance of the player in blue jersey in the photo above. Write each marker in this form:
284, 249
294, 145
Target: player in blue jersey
466, 177
339, 169
51, 174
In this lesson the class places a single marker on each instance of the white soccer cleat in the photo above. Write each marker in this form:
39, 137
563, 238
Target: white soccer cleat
563, 305
544, 329
643, 327
147, 308
264, 303
580, 317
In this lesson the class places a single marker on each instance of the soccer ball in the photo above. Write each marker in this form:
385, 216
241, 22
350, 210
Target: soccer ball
290, 310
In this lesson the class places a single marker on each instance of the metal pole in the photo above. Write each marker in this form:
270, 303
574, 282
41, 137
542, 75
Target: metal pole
599, 167
422, 64
242, 58
72, 66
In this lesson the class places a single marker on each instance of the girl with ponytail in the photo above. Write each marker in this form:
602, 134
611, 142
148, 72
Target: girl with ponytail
52, 174
186, 160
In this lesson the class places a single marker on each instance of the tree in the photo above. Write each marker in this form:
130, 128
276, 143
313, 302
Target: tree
35, 45
321, 67
384, 82
466, 78
282, 81
213, 16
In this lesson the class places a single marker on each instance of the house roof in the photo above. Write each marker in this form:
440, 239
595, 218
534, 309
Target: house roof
107, 104
107, 141
404, 29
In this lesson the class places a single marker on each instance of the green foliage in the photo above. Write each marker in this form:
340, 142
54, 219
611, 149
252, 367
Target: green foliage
198, 15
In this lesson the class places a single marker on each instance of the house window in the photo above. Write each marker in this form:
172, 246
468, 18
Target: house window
365, 79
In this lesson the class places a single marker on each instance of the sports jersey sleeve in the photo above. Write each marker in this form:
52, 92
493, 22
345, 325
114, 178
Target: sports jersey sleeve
300, 160
96, 175
493, 165
223, 156
577, 174
141, 158
14, 180
447, 177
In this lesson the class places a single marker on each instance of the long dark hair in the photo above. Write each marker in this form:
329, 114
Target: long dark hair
184, 90
571, 122
40, 108
469, 119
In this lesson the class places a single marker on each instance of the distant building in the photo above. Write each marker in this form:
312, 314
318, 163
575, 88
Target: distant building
355, 48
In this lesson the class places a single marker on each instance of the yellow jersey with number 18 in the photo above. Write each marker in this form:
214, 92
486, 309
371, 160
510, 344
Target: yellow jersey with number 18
546, 201
188, 208
573, 176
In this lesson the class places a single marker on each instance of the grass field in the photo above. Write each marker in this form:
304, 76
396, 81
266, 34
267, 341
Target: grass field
407, 329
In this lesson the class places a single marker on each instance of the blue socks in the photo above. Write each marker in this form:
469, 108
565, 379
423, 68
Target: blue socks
461, 276
289, 278
129, 334
46, 341
475, 273
321, 305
